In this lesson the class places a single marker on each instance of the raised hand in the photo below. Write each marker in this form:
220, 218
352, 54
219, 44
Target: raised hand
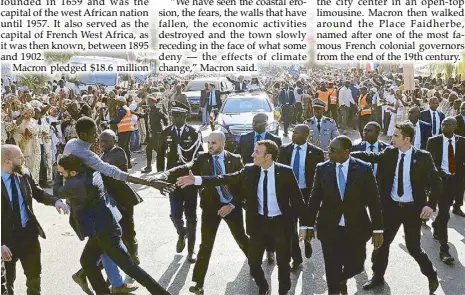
186, 180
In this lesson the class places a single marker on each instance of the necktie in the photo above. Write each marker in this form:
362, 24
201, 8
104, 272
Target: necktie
257, 138
451, 158
15, 202
296, 163
434, 123
342, 181
265, 193
179, 132
318, 125
400, 177
372, 147
211, 98
224, 188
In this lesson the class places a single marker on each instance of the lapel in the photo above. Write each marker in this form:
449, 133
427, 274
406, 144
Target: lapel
363, 146
333, 180
350, 177
277, 177
289, 152
307, 157
22, 186
211, 170
441, 149
227, 162
413, 160
6, 199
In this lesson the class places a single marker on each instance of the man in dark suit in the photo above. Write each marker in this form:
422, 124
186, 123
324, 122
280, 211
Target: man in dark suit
405, 174
448, 151
217, 203
239, 85
461, 121
274, 202
433, 116
286, 99
126, 198
181, 143
303, 158
204, 94
20, 227
371, 143
245, 148
342, 189
94, 215
422, 129
214, 100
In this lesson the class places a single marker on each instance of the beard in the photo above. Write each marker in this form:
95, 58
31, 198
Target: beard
20, 169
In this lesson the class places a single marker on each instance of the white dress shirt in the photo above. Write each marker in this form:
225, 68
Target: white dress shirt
445, 153
303, 155
273, 207
345, 171
408, 194
345, 97
417, 138
438, 123
298, 97
375, 150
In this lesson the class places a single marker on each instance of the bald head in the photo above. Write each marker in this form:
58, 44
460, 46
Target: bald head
300, 134
12, 158
302, 128
108, 134
107, 140
216, 142
9, 151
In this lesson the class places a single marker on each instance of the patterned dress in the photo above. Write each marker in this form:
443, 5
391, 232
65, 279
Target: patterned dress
29, 146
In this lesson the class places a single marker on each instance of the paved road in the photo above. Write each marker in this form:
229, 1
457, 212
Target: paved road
228, 271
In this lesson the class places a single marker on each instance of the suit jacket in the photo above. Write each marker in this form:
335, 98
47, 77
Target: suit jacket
435, 147
204, 165
120, 191
314, 156
286, 100
460, 125
289, 197
219, 102
426, 133
361, 146
204, 97
426, 117
245, 146
361, 192
29, 190
237, 85
423, 175
168, 146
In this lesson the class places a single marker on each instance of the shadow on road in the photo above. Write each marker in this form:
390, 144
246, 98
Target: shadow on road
181, 272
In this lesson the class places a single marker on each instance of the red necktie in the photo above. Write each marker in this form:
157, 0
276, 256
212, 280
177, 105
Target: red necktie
451, 158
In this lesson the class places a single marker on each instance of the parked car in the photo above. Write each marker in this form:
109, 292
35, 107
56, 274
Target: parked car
236, 115
194, 87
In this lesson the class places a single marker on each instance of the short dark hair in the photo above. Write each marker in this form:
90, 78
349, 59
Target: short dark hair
376, 124
84, 124
345, 142
406, 129
270, 148
70, 162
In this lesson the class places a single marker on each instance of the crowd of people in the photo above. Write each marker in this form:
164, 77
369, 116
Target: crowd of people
79, 143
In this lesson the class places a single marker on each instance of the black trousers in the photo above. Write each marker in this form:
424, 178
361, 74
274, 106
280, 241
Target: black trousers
129, 232
450, 189
184, 200
152, 145
298, 111
110, 242
362, 121
43, 165
26, 249
458, 201
210, 222
332, 112
124, 139
280, 231
296, 252
344, 258
287, 116
409, 216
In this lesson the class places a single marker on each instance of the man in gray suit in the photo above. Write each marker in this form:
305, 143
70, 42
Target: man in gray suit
322, 129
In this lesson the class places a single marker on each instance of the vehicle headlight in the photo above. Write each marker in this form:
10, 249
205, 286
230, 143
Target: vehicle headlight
272, 126
221, 128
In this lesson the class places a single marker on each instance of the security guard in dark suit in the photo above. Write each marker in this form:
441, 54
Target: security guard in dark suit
181, 143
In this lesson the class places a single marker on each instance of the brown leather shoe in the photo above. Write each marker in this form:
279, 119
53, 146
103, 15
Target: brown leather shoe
125, 288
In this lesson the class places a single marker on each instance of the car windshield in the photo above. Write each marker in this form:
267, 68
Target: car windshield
246, 105
196, 86
105, 79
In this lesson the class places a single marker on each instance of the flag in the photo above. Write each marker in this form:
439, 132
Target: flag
371, 67
212, 116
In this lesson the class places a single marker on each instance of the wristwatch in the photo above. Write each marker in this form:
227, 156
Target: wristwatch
231, 205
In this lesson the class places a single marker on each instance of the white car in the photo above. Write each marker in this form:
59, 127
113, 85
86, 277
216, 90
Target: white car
236, 115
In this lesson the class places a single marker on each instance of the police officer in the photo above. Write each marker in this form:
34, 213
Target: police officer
156, 120
322, 129
181, 143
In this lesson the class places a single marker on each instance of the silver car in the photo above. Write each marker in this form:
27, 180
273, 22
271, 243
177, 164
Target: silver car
236, 115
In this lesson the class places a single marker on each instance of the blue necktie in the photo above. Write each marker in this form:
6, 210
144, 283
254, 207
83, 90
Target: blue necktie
257, 138
296, 164
342, 181
224, 188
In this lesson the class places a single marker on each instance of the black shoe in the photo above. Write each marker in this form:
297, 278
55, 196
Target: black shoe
270, 257
197, 289
435, 235
147, 170
308, 249
265, 292
458, 211
373, 283
81, 280
192, 257
296, 265
343, 288
181, 244
446, 258
433, 285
